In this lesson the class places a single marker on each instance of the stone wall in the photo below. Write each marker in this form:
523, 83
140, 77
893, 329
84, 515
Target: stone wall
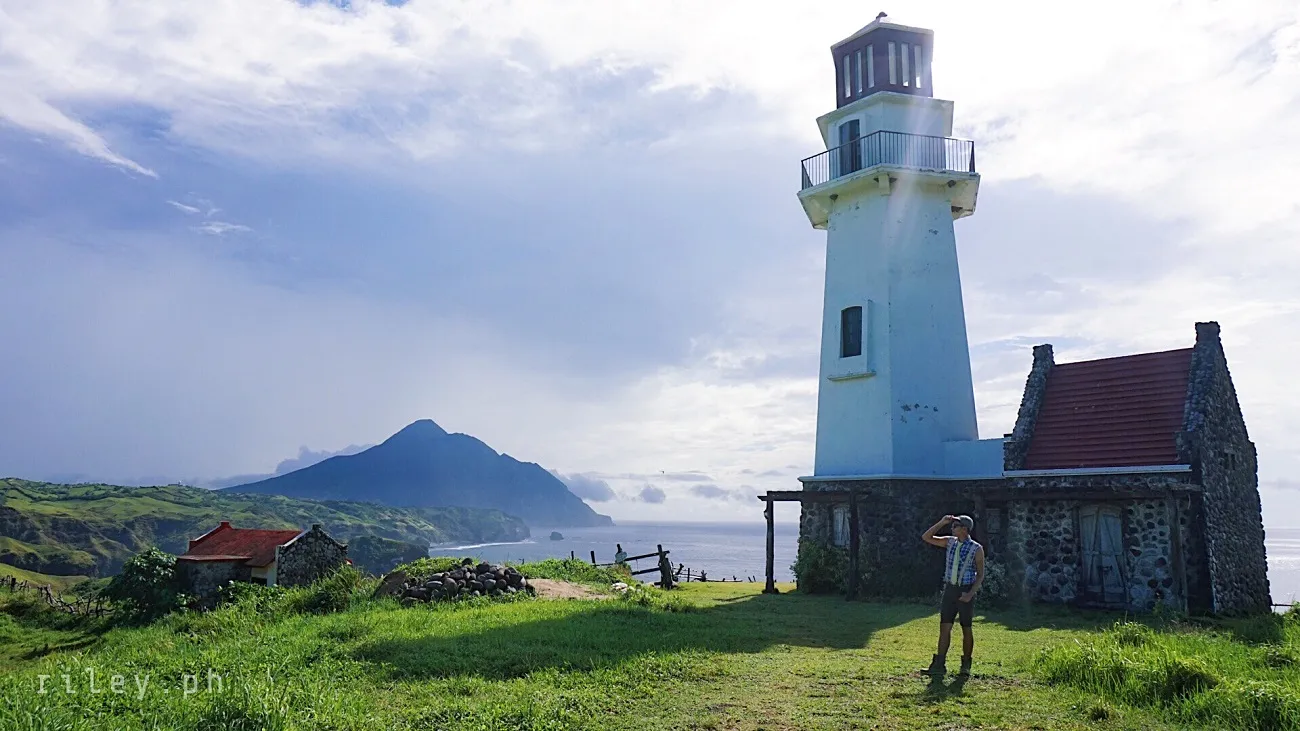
1029, 524
1215, 441
204, 578
1040, 551
1149, 556
1016, 444
308, 557
892, 515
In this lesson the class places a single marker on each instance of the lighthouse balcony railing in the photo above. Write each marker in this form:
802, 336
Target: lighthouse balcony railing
922, 152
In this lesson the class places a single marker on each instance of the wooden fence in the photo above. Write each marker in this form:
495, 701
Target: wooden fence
681, 574
87, 606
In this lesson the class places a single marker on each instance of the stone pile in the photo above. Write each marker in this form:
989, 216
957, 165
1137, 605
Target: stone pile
466, 581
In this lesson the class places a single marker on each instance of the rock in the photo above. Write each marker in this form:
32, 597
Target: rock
489, 584
391, 585
476, 585
556, 535
475, 593
408, 601
482, 568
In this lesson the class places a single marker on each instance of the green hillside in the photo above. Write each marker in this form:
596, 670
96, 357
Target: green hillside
58, 583
91, 529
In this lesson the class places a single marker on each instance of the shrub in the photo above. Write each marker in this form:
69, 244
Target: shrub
997, 590
147, 587
819, 568
575, 570
332, 593
643, 595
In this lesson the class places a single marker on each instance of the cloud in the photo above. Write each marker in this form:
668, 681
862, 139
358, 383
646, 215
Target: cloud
191, 210
308, 457
713, 492
651, 494
220, 228
587, 487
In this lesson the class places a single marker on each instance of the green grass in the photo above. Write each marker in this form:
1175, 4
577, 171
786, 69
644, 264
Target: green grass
562, 569
1241, 674
737, 660
93, 529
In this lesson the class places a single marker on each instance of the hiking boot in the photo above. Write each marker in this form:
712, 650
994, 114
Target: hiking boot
965, 667
938, 666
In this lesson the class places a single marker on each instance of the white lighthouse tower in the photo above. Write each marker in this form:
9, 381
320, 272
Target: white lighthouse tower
895, 395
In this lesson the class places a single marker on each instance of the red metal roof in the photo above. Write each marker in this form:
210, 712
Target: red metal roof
227, 542
1113, 412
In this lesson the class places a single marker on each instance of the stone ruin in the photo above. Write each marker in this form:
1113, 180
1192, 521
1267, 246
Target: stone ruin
464, 581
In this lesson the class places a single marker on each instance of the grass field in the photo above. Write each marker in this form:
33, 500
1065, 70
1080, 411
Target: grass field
718, 657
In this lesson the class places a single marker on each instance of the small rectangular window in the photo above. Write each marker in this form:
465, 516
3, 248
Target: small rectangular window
848, 90
916, 68
907, 76
850, 332
857, 70
893, 64
871, 68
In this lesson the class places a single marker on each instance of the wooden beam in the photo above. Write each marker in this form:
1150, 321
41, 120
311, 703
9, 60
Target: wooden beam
853, 545
770, 586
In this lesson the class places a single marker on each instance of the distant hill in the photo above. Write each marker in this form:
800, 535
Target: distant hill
423, 465
91, 530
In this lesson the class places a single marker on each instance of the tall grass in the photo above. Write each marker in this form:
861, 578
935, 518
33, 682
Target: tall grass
567, 569
1241, 675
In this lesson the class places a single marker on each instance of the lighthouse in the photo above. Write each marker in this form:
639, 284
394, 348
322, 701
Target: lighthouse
895, 396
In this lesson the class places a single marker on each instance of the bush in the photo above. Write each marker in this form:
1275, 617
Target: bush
575, 570
819, 568
997, 590
332, 593
147, 588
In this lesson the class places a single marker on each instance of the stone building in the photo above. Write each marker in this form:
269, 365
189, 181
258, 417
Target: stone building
268, 557
1126, 482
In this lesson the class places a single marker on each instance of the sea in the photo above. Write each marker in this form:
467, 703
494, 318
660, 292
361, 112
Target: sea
735, 551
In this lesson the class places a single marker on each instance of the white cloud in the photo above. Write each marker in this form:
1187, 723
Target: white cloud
220, 228
190, 210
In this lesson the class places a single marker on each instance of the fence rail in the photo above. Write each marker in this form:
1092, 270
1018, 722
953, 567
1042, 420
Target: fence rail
884, 147
87, 606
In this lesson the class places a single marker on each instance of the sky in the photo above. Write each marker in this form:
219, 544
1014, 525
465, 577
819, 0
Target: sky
240, 232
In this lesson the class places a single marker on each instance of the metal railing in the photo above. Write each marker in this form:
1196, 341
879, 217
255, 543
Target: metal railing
883, 147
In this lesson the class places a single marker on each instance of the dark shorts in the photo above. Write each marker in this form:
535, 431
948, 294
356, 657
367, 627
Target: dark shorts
951, 607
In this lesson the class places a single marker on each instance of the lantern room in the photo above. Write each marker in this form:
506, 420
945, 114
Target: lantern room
883, 56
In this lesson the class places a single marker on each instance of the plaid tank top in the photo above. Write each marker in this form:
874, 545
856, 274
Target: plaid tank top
959, 568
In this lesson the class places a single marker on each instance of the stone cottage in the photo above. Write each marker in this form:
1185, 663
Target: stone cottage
1126, 481
267, 557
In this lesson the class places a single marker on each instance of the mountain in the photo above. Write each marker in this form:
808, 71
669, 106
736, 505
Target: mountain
92, 529
424, 465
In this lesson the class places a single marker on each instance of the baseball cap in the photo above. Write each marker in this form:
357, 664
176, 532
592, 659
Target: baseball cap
965, 521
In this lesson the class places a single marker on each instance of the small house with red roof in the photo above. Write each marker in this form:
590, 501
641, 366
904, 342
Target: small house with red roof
270, 557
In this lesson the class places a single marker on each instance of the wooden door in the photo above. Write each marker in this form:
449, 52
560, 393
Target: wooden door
850, 149
1101, 547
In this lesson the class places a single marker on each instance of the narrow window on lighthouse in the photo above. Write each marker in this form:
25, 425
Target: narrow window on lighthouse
871, 68
893, 64
850, 332
848, 90
907, 77
916, 68
857, 70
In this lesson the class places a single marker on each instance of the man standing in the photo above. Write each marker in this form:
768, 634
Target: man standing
962, 575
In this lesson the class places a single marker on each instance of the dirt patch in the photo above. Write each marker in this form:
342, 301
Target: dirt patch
554, 589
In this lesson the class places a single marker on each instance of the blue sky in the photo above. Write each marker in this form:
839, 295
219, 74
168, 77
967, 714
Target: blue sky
236, 229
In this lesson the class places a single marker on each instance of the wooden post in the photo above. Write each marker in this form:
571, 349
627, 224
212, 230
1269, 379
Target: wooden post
770, 587
593, 558
853, 545
572, 555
